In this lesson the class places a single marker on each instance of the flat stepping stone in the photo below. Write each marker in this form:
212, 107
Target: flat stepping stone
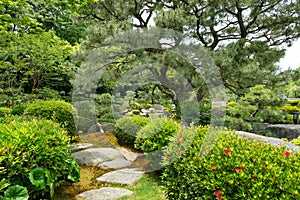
129, 155
96, 156
105, 193
78, 147
123, 176
115, 164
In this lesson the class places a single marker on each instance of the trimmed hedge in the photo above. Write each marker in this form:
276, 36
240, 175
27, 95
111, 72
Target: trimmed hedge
34, 154
236, 168
127, 128
55, 110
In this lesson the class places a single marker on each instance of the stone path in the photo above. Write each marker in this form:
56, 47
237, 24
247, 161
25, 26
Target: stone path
119, 159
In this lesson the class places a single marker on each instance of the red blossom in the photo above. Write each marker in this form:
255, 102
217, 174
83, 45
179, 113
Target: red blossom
218, 193
180, 135
213, 167
255, 177
237, 169
264, 167
287, 154
227, 151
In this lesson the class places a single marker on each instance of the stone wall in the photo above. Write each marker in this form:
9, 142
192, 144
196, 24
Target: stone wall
271, 140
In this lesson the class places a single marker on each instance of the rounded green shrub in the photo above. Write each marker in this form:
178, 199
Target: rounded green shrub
56, 110
19, 109
33, 154
153, 137
4, 111
235, 168
127, 128
156, 134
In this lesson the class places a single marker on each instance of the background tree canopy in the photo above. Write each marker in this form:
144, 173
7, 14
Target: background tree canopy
42, 42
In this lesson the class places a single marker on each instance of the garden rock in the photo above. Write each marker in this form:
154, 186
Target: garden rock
123, 176
273, 141
96, 156
115, 164
288, 131
79, 147
105, 193
129, 155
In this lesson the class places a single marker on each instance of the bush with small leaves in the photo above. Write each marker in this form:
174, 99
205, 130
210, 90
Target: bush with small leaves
34, 154
4, 111
127, 128
55, 110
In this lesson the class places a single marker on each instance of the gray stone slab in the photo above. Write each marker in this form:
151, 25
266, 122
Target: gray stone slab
78, 147
271, 140
123, 176
106, 193
129, 155
289, 131
96, 156
115, 164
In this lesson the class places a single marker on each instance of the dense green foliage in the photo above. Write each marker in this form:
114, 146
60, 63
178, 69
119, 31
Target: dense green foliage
234, 168
56, 110
4, 111
127, 128
260, 104
34, 155
156, 134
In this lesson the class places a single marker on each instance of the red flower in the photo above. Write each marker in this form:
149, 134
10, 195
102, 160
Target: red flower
255, 177
218, 193
264, 167
287, 154
237, 169
180, 135
213, 167
227, 151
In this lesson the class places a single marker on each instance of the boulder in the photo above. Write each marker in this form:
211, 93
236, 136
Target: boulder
80, 146
115, 164
96, 156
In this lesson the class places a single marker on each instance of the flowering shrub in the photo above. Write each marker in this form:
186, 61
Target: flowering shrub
236, 168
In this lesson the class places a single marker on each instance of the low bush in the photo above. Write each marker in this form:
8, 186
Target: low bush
127, 128
19, 109
236, 168
56, 110
290, 109
4, 111
155, 136
296, 141
34, 154
294, 103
